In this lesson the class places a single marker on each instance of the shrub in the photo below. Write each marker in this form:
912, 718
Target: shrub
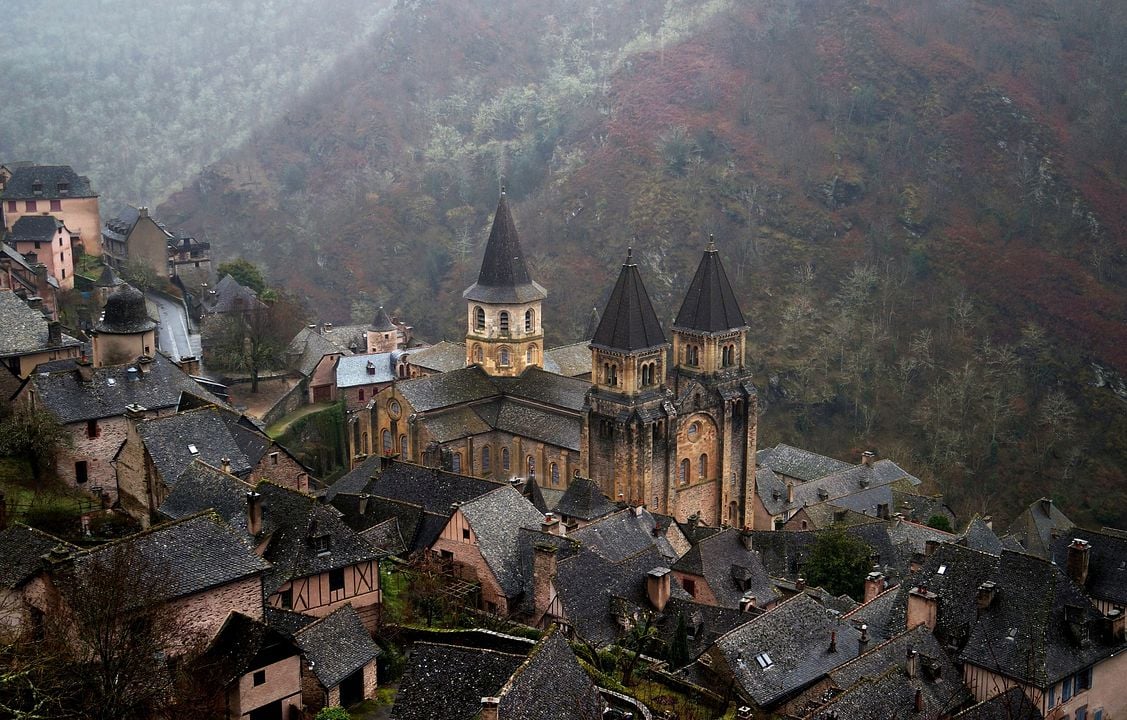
333, 712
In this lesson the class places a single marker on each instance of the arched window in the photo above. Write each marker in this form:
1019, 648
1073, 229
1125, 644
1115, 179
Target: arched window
702, 466
477, 356
486, 460
529, 321
403, 446
612, 374
530, 356
683, 477
505, 459
555, 474
531, 466
385, 440
504, 321
478, 318
503, 357
456, 462
364, 442
733, 513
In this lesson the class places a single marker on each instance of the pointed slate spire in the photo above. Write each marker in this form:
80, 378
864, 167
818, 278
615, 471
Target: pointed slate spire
504, 276
592, 324
710, 305
382, 323
629, 322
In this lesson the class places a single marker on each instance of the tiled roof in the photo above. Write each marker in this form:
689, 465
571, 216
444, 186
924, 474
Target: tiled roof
336, 646
1107, 562
1013, 704
569, 360
496, 519
193, 554
705, 623
382, 323
547, 388
629, 322
444, 681
242, 645
583, 500
710, 304
850, 481
875, 614
1037, 527
504, 276
798, 463
202, 487
125, 313
623, 534
352, 370
550, 685
110, 391
796, 637
35, 228
56, 181
454, 424
730, 569
23, 549
307, 348
22, 329
979, 536
440, 357
449, 388
1040, 627
175, 441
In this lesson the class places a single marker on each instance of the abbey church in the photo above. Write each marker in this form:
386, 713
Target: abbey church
667, 425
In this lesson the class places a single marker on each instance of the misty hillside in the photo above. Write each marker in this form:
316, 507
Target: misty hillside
141, 95
922, 205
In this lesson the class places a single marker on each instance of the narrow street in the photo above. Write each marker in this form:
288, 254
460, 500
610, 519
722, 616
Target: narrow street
175, 337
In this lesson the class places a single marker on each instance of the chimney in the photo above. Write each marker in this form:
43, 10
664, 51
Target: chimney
930, 547
1046, 506
226, 463
867, 458
874, 585
1078, 552
543, 577
1115, 624
385, 461
746, 539
254, 512
790, 492
85, 369
550, 524
747, 602
362, 506
328, 328
912, 663
833, 641
986, 593
132, 374
190, 364
864, 640
919, 700
32, 258
658, 587
35, 303
988, 521
744, 713
145, 364
638, 510
370, 367
799, 584
135, 411
923, 607
490, 708
142, 211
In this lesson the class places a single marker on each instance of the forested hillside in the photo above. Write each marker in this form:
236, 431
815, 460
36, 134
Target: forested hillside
141, 95
922, 205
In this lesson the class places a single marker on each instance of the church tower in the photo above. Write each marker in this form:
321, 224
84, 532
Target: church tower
625, 421
504, 334
714, 436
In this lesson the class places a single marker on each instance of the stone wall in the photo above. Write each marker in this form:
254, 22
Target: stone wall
202, 614
291, 401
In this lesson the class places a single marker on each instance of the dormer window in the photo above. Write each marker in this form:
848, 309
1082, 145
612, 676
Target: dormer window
764, 661
322, 544
63, 187
37, 187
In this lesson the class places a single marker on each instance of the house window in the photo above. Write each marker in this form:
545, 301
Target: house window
465, 534
456, 462
361, 393
693, 431
486, 460
528, 321
531, 465
504, 357
1066, 690
31, 206
764, 661
530, 356
92, 430
504, 321
273, 458
478, 318
323, 544
259, 677
477, 353
683, 477
37, 245
81, 472
690, 586
285, 599
1082, 713
56, 205
702, 467
403, 445
11, 206
505, 459
385, 440
555, 474
336, 580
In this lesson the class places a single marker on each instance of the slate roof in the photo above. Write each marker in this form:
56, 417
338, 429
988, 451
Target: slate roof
547, 388
550, 685
229, 296
307, 348
336, 645
624, 534
730, 569
386, 536
1040, 627
107, 395
569, 360
32, 228
108, 278
352, 370
796, 637
242, 645
1013, 704
382, 323
23, 549
22, 183
1107, 562
913, 537
705, 623
583, 500
853, 480
527, 421
504, 276
629, 322
593, 321
454, 424
192, 555
170, 441
445, 682
710, 304
441, 357
876, 614
125, 313
448, 388
979, 536
23, 330
800, 464
496, 519
202, 487
1038, 525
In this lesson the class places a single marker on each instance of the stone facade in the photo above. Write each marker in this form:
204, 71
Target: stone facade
282, 683
504, 339
202, 615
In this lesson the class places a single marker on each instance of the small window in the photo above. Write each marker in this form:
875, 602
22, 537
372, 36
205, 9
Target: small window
385, 440
323, 544
1066, 690
683, 477
403, 445
11, 206
702, 467
504, 321
81, 472
259, 677
505, 459
31, 206
690, 586
361, 393
942, 570
531, 465
528, 323
693, 431
486, 460
477, 354
504, 357
465, 534
92, 430
456, 462
555, 469
56, 205
1082, 713
273, 458
764, 661
336, 580
285, 599
478, 318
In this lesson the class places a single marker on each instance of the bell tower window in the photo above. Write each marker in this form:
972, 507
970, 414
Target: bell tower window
528, 321
504, 320
479, 318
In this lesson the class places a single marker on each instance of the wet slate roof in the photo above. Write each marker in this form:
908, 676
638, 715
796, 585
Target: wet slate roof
1040, 627
22, 329
504, 276
876, 614
1013, 704
496, 519
629, 322
550, 685
730, 569
242, 645
336, 646
53, 180
705, 623
547, 388
35, 228
352, 370
532, 422
834, 487
798, 463
445, 682
623, 534
454, 424
175, 441
979, 536
449, 388
386, 536
125, 313
441, 357
307, 348
110, 391
229, 296
1037, 527
569, 360
795, 635
710, 304
22, 549
583, 500
382, 322
1107, 562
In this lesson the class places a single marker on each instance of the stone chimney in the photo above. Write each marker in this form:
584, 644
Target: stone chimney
1078, 552
864, 639
142, 211
85, 369
874, 585
658, 587
551, 525
746, 539
362, 505
867, 458
54, 333
912, 663
986, 593
370, 368
145, 364
833, 641
543, 577
744, 713
1046, 505
919, 700
226, 463
790, 492
190, 364
35, 303
988, 521
490, 708
930, 546
1115, 624
254, 512
799, 584
747, 602
923, 607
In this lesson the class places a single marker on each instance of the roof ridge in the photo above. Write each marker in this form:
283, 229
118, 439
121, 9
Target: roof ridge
318, 621
552, 632
882, 593
210, 513
880, 645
